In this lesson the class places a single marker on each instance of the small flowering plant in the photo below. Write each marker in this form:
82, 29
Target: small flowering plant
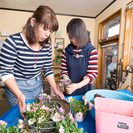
63, 84
41, 111
79, 107
12, 129
67, 125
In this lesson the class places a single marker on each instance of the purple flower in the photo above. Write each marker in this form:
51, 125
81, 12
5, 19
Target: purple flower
42, 98
74, 105
61, 110
48, 97
66, 82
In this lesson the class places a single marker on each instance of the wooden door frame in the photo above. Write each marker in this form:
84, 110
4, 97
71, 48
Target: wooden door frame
100, 50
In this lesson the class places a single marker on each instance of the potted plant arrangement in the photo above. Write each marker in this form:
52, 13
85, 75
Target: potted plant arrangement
79, 108
40, 114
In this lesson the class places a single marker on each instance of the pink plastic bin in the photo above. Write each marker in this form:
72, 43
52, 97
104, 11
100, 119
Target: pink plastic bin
113, 116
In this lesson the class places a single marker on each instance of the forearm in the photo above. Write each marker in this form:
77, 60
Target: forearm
12, 85
52, 83
84, 82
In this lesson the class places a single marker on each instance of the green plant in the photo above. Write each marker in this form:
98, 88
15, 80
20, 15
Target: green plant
79, 107
56, 75
67, 125
58, 58
59, 50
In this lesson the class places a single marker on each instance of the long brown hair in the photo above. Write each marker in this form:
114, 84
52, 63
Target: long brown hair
77, 30
43, 15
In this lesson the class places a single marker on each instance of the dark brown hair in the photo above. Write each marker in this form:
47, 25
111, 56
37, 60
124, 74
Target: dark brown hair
43, 15
77, 30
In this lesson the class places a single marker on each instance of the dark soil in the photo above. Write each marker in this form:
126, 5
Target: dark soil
64, 104
96, 95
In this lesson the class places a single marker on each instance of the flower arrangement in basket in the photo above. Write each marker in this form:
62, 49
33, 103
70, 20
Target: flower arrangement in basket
79, 108
63, 84
41, 114
44, 115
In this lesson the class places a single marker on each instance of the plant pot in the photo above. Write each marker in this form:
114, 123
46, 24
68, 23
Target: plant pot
77, 119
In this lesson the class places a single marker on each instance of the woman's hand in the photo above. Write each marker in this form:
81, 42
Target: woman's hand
71, 88
59, 94
21, 103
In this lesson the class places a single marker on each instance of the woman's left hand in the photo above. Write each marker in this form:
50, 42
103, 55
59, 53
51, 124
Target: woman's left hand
59, 94
71, 88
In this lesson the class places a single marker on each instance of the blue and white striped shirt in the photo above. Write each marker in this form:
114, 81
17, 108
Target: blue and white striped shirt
17, 59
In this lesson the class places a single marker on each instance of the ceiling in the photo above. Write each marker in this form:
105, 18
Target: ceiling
81, 8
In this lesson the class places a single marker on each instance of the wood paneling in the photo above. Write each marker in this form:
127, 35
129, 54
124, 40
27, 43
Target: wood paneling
126, 40
132, 83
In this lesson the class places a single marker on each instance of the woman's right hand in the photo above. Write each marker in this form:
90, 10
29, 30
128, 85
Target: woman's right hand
21, 103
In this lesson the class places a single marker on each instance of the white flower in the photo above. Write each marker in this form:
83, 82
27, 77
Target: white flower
86, 101
28, 107
44, 94
56, 117
20, 125
31, 121
43, 107
79, 116
70, 99
61, 130
40, 119
3, 123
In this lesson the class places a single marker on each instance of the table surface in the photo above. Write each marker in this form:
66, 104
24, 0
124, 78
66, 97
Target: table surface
12, 116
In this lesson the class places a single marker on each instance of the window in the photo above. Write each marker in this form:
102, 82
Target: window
108, 50
111, 28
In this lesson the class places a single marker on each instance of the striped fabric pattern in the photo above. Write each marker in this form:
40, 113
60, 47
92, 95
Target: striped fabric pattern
92, 70
17, 59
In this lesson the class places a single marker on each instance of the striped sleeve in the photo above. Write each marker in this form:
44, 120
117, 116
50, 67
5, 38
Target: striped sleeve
92, 70
8, 57
64, 71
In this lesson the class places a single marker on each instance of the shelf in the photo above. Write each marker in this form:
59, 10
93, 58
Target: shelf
56, 66
3, 35
1, 86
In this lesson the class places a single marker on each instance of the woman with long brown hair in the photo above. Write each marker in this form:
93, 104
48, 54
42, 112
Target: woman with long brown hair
24, 54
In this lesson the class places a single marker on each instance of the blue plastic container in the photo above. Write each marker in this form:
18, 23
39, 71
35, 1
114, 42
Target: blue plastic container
107, 94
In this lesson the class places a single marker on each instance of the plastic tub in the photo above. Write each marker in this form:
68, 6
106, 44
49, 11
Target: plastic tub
108, 94
113, 116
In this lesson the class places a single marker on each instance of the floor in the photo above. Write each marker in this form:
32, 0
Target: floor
3, 107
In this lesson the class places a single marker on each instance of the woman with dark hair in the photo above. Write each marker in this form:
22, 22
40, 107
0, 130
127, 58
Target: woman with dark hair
24, 54
79, 59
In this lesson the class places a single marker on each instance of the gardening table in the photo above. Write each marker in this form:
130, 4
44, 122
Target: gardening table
12, 116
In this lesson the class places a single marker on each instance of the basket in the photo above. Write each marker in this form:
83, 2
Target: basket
49, 125
113, 116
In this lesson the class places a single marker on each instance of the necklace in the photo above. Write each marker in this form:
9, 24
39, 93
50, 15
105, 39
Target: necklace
35, 58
